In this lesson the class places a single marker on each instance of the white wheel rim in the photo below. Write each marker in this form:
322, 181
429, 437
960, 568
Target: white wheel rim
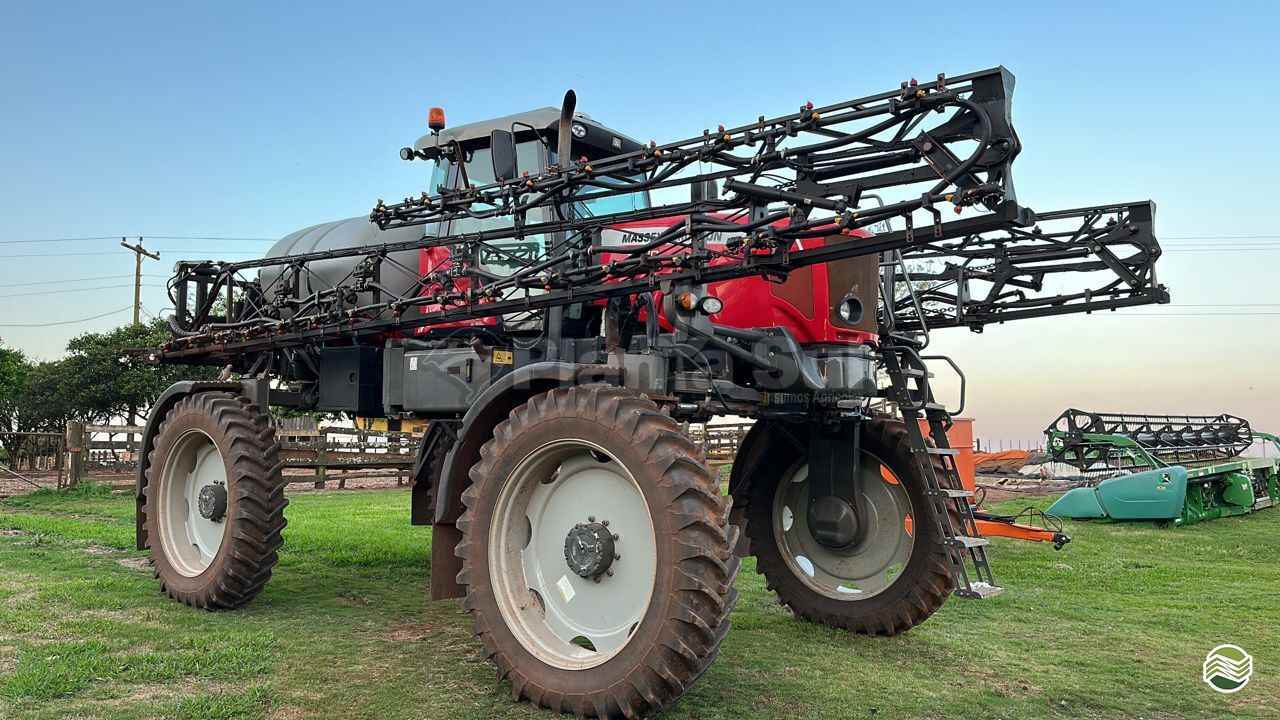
567, 621
872, 565
190, 540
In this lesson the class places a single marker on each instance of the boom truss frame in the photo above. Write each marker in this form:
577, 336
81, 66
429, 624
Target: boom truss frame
788, 181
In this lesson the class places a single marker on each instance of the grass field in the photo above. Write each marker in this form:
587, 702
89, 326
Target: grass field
1114, 626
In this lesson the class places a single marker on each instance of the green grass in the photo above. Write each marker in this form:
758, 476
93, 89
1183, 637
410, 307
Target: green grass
1114, 626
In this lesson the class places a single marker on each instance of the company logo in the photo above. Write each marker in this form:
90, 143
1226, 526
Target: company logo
1227, 668
579, 131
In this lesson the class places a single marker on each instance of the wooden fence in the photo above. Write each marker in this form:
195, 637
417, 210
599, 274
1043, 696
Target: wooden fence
304, 445
720, 442
345, 450
330, 452
32, 459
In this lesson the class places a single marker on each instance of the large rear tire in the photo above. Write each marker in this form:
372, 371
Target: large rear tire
214, 501
596, 554
892, 580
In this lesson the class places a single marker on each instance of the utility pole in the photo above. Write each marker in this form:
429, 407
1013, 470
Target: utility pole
138, 252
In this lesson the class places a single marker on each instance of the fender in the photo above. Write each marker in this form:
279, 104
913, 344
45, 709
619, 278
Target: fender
494, 404
255, 389
750, 451
441, 433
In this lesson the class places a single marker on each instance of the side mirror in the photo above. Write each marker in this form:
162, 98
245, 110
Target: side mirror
502, 148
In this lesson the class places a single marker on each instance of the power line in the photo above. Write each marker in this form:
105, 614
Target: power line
56, 240
1183, 316
176, 251
1179, 250
75, 290
1220, 237
69, 280
236, 238
66, 322
210, 237
215, 253
1219, 243
215, 238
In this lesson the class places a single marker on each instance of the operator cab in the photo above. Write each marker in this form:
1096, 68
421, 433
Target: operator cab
534, 134
463, 157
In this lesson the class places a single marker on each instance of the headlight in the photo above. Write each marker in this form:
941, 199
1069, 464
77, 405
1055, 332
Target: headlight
850, 310
710, 305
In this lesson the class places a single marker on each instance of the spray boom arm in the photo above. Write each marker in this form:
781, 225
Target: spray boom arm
946, 144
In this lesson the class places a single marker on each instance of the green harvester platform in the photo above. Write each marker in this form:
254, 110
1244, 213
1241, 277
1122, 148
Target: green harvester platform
1184, 468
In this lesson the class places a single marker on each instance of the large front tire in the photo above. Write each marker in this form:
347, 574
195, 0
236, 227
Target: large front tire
893, 580
575, 626
214, 501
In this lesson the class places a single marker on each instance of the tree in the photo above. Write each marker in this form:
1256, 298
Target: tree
104, 382
13, 372
14, 368
95, 383
48, 399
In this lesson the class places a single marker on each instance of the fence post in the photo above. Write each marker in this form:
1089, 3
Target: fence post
62, 458
321, 469
76, 447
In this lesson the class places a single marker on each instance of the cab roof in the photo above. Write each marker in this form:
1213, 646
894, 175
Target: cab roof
546, 119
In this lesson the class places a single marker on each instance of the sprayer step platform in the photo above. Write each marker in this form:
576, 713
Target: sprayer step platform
980, 591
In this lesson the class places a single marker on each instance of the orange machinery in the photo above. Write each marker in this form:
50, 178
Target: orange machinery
960, 437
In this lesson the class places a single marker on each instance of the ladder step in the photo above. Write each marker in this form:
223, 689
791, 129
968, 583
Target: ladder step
942, 451
935, 406
914, 373
966, 541
953, 493
980, 591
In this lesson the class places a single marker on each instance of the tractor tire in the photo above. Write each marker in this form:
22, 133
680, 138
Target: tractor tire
535, 537
214, 501
870, 597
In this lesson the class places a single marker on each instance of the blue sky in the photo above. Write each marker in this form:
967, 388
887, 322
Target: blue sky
250, 120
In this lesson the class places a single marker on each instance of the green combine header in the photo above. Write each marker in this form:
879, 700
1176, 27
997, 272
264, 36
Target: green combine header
1173, 468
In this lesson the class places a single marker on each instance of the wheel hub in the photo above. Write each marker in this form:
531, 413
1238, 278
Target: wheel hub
838, 552
557, 575
833, 522
589, 549
191, 516
212, 502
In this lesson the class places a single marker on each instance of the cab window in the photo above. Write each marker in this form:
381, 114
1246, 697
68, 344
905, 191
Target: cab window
504, 256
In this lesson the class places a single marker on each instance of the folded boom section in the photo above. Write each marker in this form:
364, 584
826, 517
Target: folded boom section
799, 190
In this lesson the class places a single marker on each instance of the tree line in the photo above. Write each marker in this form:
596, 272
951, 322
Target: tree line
96, 382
